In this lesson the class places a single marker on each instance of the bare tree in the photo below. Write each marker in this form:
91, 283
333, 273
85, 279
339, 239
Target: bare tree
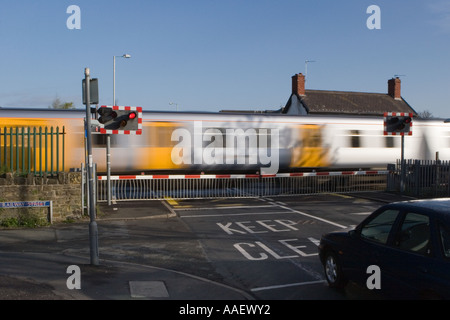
425, 114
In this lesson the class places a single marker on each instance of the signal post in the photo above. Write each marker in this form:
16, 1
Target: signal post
93, 230
112, 120
117, 120
399, 123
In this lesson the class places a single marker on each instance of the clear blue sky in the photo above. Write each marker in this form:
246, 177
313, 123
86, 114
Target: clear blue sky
222, 54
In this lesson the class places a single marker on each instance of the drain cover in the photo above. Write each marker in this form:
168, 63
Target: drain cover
148, 289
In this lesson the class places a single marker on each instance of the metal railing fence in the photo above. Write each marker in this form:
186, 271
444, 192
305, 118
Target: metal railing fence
154, 187
32, 150
423, 178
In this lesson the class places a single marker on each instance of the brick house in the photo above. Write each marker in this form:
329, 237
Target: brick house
304, 102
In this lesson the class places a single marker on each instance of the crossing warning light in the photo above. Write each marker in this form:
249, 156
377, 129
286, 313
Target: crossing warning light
398, 123
120, 120
107, 115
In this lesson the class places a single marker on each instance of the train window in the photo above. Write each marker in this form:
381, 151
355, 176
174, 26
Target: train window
312, 137
163, 136
355, 139
389, 142
159, 135
99, 140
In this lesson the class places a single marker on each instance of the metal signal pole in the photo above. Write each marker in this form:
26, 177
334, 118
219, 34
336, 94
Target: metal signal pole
403, 169
93, 231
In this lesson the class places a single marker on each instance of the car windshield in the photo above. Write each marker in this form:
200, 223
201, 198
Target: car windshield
378, 228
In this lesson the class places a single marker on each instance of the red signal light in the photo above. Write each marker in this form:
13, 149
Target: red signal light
132, 115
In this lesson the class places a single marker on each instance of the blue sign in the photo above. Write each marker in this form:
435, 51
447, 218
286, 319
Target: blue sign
25, 204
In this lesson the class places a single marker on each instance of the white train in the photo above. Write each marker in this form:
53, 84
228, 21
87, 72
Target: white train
230, 142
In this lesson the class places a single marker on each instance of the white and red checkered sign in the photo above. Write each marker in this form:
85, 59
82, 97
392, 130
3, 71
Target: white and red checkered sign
400, 116
134, 126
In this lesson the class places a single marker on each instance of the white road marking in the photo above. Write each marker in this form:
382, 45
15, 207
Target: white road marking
272, 205
269, 204
314, 217
223, 208
233, 214
315, 241
361, 213
288, 285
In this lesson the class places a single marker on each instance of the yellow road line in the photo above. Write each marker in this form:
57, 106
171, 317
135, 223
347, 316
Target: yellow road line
171, 201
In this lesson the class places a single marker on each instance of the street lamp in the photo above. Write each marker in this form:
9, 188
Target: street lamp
108, 137
126, 56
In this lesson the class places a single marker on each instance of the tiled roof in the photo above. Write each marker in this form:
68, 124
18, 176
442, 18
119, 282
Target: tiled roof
355, 103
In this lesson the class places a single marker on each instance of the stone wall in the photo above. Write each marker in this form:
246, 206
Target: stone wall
64, 190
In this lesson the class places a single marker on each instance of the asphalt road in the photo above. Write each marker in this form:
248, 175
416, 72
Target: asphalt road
268, 247
263, 248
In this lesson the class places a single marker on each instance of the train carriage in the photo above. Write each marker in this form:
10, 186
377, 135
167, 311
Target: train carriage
174, 142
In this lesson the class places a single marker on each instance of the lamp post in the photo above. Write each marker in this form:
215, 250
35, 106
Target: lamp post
108, 137
93, 230
126, 56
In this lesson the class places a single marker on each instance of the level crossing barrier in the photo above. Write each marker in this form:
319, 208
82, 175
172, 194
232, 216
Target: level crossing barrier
208, 186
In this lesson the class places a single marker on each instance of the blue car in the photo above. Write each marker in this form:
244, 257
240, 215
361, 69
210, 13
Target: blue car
402, 251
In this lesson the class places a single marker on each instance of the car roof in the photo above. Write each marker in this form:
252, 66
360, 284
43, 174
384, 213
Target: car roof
437, 206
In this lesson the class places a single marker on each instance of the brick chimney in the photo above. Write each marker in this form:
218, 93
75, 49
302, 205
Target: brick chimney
394, 86
298, 84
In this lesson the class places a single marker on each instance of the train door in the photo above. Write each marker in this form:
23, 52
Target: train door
309, 150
